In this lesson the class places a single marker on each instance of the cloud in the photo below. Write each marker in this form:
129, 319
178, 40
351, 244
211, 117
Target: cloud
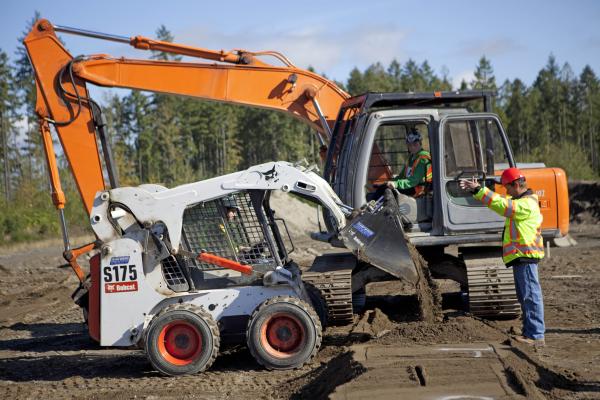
490, 48
326, 50
592, 42
466, 75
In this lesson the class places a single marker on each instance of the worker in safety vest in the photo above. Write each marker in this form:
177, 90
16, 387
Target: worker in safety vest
522, 245
416, 174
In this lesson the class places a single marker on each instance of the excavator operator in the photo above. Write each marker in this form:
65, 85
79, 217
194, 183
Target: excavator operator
415, 176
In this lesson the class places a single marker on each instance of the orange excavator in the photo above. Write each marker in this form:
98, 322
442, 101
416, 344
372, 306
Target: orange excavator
362, 140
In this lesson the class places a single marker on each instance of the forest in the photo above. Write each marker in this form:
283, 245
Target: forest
172, 140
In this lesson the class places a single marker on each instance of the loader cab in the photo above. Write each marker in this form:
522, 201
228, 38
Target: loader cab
368, 146
240, 226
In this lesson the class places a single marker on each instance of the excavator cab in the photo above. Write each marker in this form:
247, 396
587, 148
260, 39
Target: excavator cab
462, 144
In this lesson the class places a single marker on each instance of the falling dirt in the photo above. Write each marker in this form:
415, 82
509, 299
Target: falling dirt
387, 353
430, 299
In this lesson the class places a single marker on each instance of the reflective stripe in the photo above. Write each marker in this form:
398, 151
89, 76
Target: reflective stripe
416, 162
487, 197
428, 178
512, 248
509, 209
533, 252
514, 232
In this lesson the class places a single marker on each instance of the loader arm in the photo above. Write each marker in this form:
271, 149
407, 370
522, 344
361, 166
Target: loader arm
63, 99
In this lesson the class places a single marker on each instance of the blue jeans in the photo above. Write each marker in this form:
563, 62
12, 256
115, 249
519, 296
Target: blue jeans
529, 294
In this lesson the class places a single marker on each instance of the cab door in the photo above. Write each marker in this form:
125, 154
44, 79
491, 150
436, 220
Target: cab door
471, 146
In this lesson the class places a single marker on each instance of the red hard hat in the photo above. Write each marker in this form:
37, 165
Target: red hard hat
510, 175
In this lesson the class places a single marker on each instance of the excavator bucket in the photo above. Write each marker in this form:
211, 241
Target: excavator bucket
376, 236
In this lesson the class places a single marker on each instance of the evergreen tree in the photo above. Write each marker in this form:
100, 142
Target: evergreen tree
122, 137
484, 75
412, 79
588, 100
356, 82
518, 116
34, 165
9, 104
548, 89
379, 80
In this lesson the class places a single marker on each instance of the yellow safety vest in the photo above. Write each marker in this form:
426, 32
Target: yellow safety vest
523, 226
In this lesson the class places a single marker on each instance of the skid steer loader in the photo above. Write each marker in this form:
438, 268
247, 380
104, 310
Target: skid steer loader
179, 270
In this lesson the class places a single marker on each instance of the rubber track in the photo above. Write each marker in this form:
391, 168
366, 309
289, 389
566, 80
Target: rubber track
304, 307
336, 288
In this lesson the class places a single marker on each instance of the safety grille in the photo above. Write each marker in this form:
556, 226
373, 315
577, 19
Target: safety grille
227, 227
173, 275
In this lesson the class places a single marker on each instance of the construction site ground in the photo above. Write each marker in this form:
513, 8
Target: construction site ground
386, 353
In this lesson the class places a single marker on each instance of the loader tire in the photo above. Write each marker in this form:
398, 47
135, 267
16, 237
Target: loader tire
318, 302
182, 339
283, 333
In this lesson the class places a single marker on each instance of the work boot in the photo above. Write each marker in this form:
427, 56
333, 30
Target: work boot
530, 341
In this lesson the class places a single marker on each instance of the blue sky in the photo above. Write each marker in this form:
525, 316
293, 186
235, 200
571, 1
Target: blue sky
335, 36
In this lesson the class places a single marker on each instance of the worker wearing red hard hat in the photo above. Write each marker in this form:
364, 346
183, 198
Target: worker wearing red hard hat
522, 245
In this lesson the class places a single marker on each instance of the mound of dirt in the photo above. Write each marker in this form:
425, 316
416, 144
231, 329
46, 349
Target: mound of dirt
584, 199
460, 329
373, 324
300, 217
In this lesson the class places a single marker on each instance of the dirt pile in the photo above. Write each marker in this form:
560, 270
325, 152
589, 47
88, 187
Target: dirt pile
372, 324
584, 199
300, 217
301, 220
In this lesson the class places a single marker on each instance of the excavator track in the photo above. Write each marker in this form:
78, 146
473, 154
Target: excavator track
491, 286
332, 275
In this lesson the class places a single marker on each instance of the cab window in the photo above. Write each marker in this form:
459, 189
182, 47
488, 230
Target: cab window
390, 153
472, 148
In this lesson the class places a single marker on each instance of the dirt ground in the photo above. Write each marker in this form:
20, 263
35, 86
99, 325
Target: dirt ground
387, 353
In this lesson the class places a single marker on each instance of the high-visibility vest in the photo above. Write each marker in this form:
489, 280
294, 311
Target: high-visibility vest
408, 171
522, 236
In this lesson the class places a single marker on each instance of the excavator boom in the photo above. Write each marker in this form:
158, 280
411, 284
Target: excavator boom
241, 78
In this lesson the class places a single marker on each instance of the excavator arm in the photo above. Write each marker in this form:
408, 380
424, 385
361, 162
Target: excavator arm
240, 78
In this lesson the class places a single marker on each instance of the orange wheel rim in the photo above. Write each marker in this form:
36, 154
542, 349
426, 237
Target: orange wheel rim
179, 343
282, 335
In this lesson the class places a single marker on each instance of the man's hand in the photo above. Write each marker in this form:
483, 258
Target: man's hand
470, 185
390, 184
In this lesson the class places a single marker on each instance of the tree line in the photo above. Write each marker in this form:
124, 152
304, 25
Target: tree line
172, 140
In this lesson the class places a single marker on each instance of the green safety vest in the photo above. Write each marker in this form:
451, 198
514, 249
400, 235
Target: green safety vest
416, 173
522, 236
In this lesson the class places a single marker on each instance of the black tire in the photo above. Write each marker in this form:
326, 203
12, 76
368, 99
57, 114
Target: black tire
283, 333
182, 339
319, 304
